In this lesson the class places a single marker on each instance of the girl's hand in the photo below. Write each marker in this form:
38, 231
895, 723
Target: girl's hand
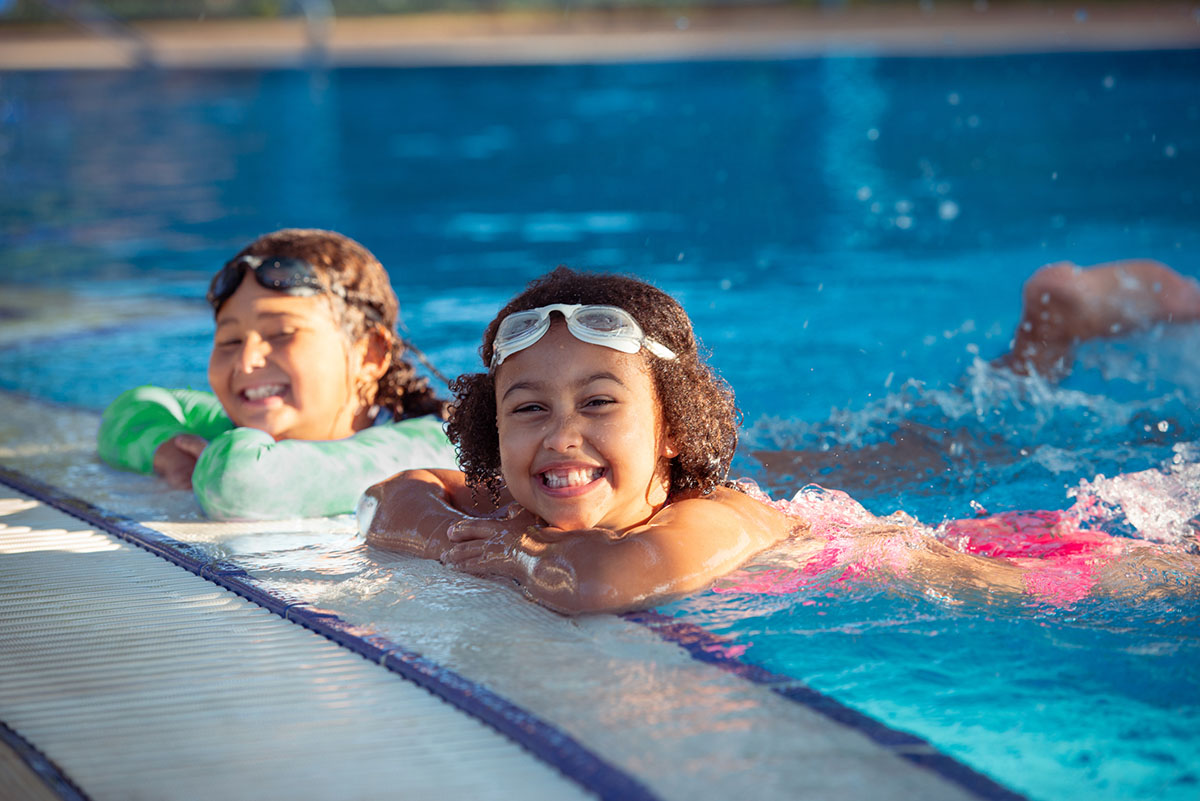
417, 511
175, 460
510, 518
682, 548
485, 557
516, 548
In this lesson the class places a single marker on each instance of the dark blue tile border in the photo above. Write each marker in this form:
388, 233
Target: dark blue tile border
546, 742
704, 646
54, 779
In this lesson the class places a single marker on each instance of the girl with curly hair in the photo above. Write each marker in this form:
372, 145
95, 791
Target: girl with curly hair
312, 398
594, 454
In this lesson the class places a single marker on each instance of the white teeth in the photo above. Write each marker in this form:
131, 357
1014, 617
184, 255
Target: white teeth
265, 391
557, 479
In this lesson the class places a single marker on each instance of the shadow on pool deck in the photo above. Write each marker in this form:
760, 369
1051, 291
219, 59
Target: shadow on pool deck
611, 36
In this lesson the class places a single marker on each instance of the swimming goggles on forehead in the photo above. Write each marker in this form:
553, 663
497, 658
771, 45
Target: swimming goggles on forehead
607, 326
287, 275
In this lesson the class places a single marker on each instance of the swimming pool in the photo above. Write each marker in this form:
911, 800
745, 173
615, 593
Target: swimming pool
849, 235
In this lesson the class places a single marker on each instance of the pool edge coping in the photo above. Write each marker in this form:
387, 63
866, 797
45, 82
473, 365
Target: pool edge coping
541, 739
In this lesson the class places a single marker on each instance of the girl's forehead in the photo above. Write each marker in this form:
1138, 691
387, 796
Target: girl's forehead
252, 303
559, 360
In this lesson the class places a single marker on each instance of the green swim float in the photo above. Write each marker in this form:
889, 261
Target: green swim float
245, 474
313, 400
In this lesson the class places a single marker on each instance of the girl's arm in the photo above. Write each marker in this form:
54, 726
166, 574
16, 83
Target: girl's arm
141, 419
683, 548
414, 512
955, 575
244, 474
1090, 563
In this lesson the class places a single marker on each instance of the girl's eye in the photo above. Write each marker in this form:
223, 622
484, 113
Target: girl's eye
228, 343
599, 403
527, 407
281, 336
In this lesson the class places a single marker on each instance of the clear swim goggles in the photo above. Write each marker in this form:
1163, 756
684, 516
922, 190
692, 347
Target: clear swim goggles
287, 275
608, 326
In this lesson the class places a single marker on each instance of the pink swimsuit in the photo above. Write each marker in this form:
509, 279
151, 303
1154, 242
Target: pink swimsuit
1061, 559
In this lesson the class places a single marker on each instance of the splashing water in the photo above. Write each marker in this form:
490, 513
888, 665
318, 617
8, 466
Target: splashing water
1004, 441
1159, 505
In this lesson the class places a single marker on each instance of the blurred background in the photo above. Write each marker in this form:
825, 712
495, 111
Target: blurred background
191, 9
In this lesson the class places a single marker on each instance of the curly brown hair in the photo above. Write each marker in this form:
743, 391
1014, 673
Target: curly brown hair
344, 263
698, 407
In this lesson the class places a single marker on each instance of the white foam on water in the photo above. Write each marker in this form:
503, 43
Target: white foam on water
1162, 505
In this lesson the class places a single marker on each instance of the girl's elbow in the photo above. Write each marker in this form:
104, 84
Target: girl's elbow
239, 491
229, 500
398, 482
556, 584
590, 597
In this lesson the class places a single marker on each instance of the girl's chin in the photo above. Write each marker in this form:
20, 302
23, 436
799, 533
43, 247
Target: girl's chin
585, 523
569, 524
566, 515
556, 518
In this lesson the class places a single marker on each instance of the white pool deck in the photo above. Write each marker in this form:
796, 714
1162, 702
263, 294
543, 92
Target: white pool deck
616, 35
139, 679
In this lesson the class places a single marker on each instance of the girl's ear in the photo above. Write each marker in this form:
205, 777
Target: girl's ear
669, 450
376, 349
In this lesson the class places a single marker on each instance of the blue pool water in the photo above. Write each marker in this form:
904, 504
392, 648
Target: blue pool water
849, 236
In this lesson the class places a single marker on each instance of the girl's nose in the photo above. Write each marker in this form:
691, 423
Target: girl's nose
563, 433
254, 353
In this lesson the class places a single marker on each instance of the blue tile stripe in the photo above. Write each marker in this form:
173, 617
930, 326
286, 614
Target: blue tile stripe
546, 742
54, 779
704, 646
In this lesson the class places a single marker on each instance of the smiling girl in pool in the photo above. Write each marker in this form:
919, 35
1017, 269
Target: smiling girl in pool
603, 451
603, 442
313, 400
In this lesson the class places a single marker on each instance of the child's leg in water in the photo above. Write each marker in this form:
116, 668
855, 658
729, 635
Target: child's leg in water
1063, 304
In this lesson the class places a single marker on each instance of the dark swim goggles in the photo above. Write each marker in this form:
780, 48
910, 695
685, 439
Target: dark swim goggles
287, 275
607, 326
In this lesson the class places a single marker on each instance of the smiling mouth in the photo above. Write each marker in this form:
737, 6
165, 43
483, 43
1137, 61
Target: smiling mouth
575, 477
259, 393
